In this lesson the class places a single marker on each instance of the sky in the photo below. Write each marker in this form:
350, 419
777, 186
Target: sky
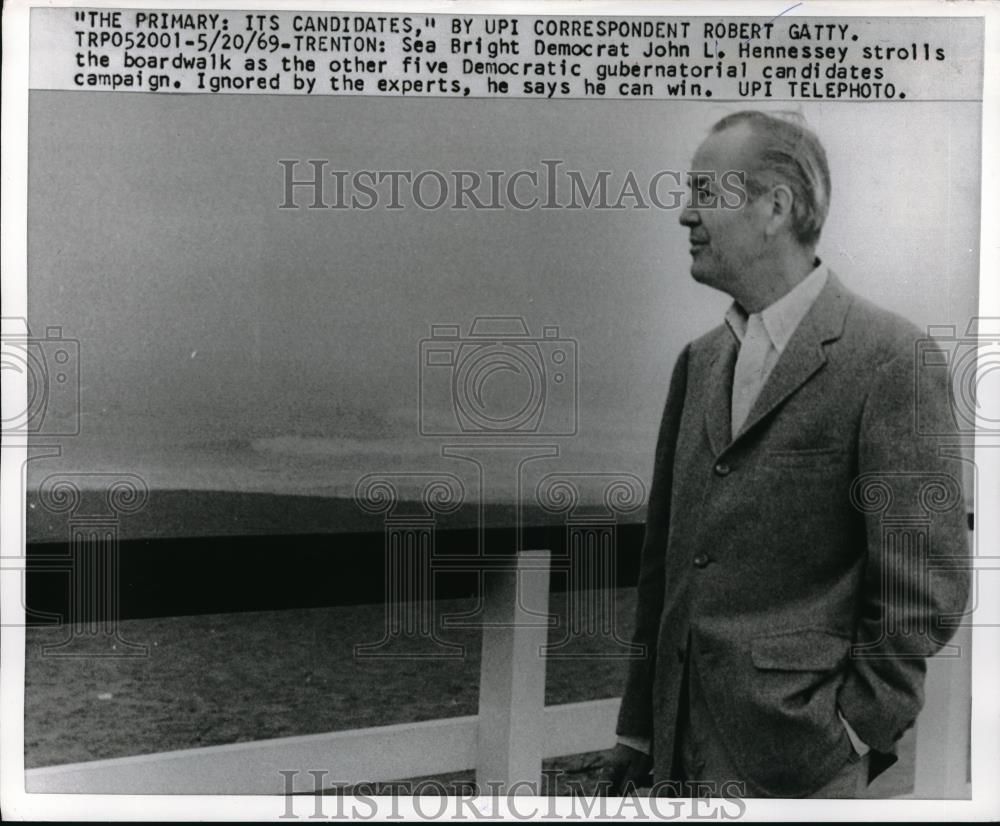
228, 344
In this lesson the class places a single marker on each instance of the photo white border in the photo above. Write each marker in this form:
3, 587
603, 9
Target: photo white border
985, 802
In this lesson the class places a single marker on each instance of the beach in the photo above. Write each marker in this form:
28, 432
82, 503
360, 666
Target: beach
214, 679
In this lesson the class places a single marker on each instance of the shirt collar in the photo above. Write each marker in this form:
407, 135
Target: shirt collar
783, 316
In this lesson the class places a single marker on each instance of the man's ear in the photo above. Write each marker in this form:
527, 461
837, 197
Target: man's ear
780, 203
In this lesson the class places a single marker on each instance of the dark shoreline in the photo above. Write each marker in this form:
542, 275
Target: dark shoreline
181, 514
207, 575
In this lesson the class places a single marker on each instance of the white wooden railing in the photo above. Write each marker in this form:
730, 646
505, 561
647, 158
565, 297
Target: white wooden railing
505, 743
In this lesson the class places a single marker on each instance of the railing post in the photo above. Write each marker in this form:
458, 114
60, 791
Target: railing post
941, 762
512, 676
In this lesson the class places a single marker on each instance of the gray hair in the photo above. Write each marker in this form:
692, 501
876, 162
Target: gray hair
789, 150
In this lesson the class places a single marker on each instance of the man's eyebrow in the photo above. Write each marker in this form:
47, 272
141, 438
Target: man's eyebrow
699, 178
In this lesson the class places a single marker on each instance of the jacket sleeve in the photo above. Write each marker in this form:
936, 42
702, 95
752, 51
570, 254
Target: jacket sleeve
916, 580
635, 717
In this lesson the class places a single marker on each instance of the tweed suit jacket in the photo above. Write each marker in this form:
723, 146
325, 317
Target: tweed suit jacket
811, 561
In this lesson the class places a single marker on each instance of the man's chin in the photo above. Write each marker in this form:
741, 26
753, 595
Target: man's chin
707, 278
700, 274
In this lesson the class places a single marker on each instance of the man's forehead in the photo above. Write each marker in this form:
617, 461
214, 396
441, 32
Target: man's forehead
729, 149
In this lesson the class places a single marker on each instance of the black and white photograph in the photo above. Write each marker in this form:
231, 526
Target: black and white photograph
500, 411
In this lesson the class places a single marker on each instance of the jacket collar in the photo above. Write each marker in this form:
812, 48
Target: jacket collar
801, 359
783, 317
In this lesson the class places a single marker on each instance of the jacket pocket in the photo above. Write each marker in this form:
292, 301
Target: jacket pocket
806, 458
807, 649
776, 704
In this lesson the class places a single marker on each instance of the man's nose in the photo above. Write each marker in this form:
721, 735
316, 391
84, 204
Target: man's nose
689, 217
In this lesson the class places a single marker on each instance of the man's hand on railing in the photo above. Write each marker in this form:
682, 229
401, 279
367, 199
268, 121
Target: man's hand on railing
626, 768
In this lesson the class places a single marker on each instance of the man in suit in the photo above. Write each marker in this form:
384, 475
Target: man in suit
785, 625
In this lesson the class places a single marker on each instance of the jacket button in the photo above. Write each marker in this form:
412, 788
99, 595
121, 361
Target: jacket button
700, 561
722, 469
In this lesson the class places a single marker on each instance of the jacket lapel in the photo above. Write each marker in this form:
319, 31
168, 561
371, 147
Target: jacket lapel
804, 355
719, 393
